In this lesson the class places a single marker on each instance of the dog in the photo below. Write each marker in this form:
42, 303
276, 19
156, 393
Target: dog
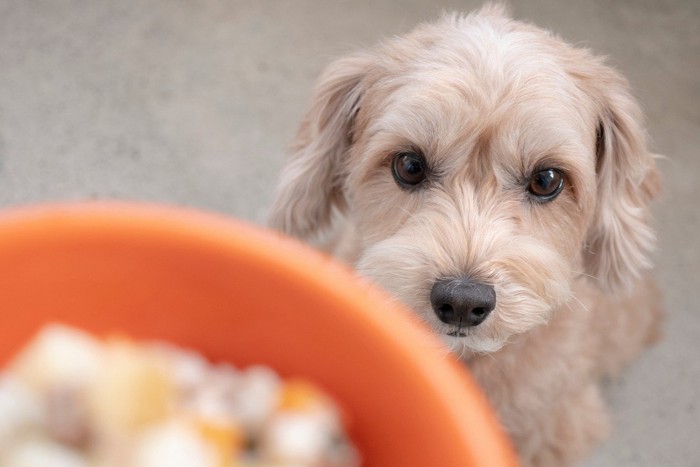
497, 181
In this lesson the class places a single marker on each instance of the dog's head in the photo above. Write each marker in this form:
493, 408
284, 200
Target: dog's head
483, 165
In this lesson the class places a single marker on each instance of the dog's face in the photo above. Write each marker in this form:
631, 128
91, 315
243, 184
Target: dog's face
483, 165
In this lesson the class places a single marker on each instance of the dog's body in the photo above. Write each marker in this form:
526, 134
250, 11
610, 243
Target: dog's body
497, 181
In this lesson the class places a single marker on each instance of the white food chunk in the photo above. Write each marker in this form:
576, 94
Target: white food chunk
188, 368
58, 355
173, 444
295, 437
213, 397
256, 398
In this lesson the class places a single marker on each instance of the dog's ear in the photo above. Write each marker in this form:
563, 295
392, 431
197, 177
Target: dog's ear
620, 238
311, 183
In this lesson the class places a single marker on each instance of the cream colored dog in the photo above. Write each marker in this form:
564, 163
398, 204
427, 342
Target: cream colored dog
497, 181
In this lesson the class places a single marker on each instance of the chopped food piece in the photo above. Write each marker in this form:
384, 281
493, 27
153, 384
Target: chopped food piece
131, 390
58, 354
173, 444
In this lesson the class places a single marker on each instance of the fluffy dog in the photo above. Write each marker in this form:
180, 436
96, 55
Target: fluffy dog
497, 181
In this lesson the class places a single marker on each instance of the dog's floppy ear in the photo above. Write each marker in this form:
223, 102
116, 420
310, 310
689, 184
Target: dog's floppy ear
620, 237
311, 183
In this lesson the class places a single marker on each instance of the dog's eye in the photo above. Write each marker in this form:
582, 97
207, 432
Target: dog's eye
408, 169
546, 184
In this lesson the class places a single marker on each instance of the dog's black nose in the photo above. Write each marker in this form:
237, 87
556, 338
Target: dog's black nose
462, 302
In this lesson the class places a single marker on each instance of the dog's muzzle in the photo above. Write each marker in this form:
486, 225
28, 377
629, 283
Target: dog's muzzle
462, 302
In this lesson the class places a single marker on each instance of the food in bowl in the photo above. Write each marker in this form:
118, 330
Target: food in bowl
82, 401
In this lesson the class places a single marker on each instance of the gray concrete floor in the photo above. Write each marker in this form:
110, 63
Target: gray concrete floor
193, 103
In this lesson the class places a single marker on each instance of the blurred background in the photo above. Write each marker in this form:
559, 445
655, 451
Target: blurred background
194, 103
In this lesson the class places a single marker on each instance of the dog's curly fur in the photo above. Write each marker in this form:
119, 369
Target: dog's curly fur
488, 101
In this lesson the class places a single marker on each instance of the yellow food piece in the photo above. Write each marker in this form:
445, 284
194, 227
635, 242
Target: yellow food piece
132, 390
227, 439
300, 395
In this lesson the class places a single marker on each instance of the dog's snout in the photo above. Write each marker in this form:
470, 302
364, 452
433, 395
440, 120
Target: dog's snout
462, 302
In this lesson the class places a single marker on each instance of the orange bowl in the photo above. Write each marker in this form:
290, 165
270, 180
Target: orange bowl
244, 295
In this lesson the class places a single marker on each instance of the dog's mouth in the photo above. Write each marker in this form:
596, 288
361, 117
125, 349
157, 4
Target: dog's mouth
457, 331
467, 341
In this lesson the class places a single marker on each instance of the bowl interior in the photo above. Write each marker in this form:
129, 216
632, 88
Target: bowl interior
244, 295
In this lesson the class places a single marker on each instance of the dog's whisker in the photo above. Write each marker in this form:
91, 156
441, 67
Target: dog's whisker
583, 274
497, 363
585, 308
